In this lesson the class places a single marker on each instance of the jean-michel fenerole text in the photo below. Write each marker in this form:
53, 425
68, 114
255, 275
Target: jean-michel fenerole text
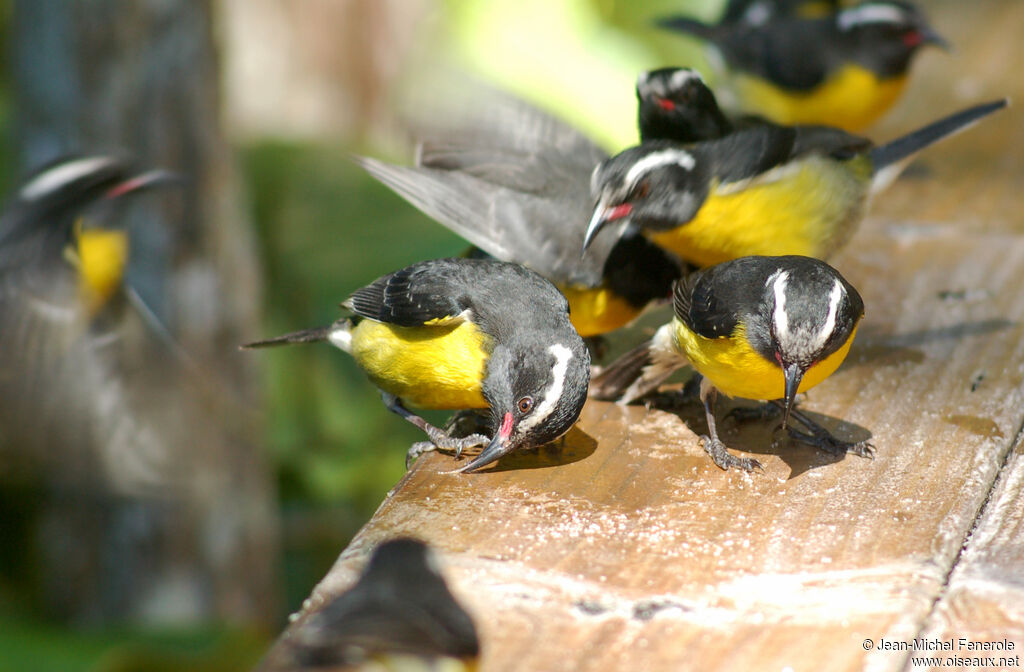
952, 644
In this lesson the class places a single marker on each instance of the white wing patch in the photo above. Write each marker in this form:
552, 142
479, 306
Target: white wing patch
665, 157
57, 177
552, 395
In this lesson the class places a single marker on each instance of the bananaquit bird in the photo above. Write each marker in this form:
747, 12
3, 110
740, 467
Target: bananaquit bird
766, 189
400, 615
844, 69
518, 188
675, 104
758, 328
467, 334
62, 397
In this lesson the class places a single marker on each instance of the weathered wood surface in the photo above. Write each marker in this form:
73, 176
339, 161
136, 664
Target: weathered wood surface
626, 548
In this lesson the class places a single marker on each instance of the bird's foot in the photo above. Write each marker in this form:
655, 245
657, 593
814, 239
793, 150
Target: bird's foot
439, 440
724, 459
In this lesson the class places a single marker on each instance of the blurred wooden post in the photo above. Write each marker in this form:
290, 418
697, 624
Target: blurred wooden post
141, 78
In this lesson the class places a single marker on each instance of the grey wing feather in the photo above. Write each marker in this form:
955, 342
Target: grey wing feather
516, 185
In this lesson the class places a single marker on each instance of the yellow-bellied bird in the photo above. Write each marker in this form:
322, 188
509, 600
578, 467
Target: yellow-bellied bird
844, 69
467, 334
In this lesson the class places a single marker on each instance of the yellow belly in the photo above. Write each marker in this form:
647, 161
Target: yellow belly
597, 311
101, 257
810, 207
852, 99
439, 367
735, 369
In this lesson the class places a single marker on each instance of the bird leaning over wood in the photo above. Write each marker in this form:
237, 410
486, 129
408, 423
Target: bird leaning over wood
515, 182
766, 189
466, 334
845, 68
760, 328
400, 615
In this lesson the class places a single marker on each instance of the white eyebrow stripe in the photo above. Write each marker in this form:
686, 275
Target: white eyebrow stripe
553, 394
680, 78
779, 280
53, 179
664, 157
830, 321
857, 16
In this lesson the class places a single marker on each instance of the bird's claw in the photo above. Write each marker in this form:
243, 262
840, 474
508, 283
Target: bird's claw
724, 459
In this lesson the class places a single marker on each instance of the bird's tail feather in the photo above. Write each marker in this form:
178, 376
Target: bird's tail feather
640, 371
314, 335
886, 159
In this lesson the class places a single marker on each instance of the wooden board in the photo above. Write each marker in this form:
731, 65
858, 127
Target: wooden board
625, 548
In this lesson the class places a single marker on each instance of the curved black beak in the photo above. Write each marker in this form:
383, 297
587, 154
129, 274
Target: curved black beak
499, 446
929, 36
603, 214
793, 373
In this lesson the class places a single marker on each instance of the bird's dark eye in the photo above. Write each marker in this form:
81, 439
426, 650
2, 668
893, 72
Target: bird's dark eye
525, 405
640, 191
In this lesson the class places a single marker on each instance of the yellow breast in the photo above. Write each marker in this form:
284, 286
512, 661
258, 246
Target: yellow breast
735, 369
852, 99
101, 257
438, 367
597, 311
809, 207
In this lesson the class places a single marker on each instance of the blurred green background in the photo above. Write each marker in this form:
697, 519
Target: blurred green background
325, 228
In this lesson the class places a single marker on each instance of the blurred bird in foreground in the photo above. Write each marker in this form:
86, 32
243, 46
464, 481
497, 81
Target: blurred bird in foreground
456, 334
61, 301
844, 68
400, 615
515, 182
119, 438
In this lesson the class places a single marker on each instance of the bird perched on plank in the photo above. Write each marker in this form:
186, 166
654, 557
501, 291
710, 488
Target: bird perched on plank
763, 190
843, 69
760, 328
400, 615
515, 182
466, 334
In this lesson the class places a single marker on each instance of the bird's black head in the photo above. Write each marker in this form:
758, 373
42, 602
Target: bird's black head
62, 189
536, 385
658, 185
884, 35
676, 104
808, 312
